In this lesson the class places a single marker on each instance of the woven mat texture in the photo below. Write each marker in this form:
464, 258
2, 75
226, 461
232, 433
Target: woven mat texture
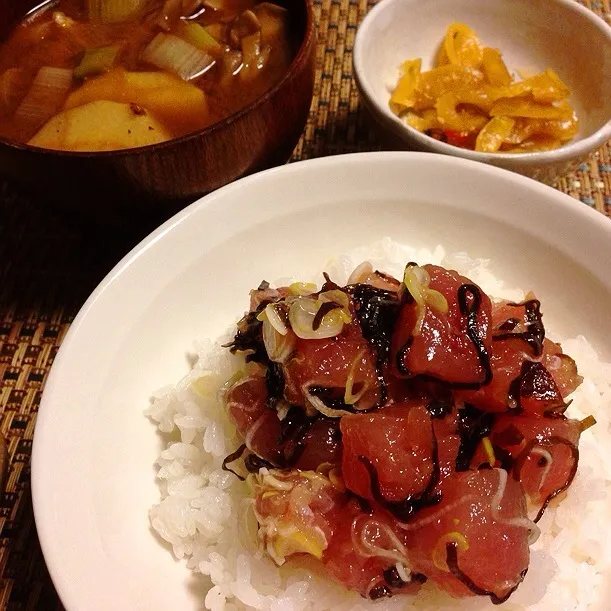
48, 266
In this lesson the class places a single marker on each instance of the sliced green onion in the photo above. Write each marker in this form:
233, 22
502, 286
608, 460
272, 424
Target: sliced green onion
302, 314
113, 11
416, 280
171, 53
339, 297
200, 38
96, 61
360, 272
349, 397
275, 313
315, 404
302, 288
279, 347
45, 97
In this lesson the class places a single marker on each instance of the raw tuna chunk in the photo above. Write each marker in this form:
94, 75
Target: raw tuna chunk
399, 448
475, 541
364, 552
450, 342
543, 453
322, 367
529, 372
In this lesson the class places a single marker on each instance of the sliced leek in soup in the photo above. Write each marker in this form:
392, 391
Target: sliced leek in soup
91, 75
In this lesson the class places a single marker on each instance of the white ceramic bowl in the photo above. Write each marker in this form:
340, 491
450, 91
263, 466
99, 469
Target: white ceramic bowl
531, 34
93, 479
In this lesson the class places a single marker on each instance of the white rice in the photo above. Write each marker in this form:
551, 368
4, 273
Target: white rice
204, 516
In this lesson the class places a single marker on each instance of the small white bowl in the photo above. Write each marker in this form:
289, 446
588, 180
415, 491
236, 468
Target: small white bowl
531, 34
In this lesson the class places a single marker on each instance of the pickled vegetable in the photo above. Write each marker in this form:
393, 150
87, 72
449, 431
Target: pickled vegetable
469, 99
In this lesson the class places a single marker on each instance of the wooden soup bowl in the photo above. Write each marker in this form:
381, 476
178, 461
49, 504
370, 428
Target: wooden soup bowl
157, 180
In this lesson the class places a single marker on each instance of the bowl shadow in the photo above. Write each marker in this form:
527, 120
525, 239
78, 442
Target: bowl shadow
49, 264
51, 260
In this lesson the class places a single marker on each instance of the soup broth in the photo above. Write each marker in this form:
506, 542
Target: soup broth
104, 74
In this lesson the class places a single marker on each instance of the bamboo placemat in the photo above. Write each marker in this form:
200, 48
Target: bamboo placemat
48, 267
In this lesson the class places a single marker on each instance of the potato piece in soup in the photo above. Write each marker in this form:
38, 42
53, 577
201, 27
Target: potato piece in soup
125, 126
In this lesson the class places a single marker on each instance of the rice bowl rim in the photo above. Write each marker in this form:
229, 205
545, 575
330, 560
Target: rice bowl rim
554, 217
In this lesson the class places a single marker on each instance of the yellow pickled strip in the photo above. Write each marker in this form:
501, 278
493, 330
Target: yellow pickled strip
462, 47
439, 81
424, 121
513, 90
493, 134
441, 59
449, 44
402, 97
302, 288
527, 107
547, 87
479, 98
562, 129
458, 120
522, 129
470, 86
494, 68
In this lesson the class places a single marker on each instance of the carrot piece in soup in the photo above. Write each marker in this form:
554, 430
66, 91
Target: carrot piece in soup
177, 104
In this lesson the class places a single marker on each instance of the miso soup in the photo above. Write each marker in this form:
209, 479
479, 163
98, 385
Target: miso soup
87, 75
